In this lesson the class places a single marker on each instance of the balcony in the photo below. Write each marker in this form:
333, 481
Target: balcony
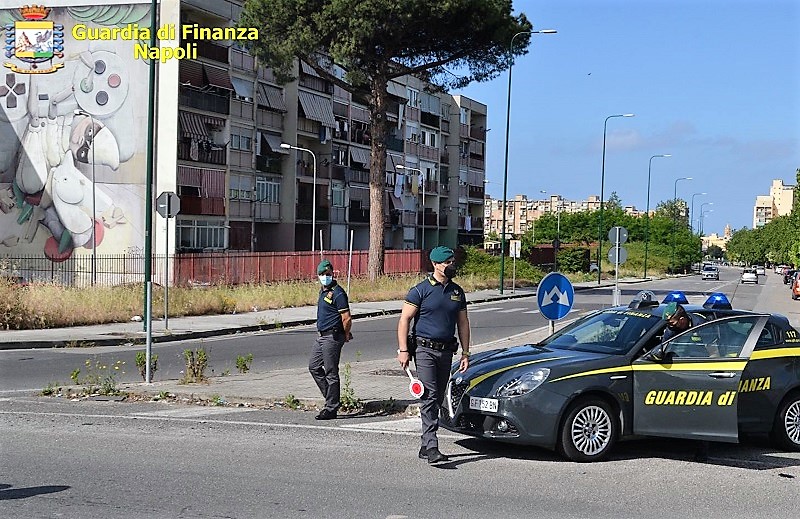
217, 155
338, 215
305, 212
394, 144
357, 175
442, 219
478, 133
212, 51
268, 165
476, 192
428, 219
267, 212
202, 205
204, 101
359, 215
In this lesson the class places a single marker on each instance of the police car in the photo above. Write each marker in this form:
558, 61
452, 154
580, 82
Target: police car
608, 376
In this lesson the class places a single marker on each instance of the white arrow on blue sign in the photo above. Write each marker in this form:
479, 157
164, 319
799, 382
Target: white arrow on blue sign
555, 296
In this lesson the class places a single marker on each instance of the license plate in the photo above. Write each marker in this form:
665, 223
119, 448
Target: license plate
483, 404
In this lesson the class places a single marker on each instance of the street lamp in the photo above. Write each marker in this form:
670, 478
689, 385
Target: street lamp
700, 220
647, 212
505, 167
94, 201
313, 191
602, 183
675, 219
691, 212
422, 230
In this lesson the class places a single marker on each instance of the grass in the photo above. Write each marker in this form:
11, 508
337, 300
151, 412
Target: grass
52, 306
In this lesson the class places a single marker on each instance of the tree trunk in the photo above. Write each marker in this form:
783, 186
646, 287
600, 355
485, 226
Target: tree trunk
377, 177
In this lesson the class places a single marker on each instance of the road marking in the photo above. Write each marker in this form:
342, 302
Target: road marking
404, 425
508, 311
194, 412
484, 309
531, 312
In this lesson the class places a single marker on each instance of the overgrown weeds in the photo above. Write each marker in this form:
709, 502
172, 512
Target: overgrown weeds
196, 364
141, 363
97, 377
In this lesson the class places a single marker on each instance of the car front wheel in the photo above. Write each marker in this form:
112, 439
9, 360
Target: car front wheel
786, 429
589, 431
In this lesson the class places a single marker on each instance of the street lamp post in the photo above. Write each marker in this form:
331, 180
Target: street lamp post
675, 219
94, 201
505, 166
691, 212
647, 212
602, 183
313, 192
700, 220
422, 229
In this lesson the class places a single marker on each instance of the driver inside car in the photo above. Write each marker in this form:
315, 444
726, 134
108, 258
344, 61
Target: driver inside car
678, 321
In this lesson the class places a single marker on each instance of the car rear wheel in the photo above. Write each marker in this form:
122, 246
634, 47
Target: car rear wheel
786, 429
589, 431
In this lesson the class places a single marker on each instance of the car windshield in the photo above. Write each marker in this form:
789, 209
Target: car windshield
612, 332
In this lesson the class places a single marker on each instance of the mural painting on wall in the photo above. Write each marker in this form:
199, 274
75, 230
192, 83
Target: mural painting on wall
73, 125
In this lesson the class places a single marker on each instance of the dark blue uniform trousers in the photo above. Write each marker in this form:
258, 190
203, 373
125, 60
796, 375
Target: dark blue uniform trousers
433, 370
324, 368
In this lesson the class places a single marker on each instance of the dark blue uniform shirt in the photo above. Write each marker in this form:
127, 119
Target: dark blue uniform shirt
332, 302
438, 308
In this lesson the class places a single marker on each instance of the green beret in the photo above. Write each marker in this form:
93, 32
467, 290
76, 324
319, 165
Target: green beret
323, 266
670, 310
441, 254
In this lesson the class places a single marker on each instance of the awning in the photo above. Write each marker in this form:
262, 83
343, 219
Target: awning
218, 77
392, 162
308, 69
396, 89
192, 125
274, 143
191, 73
242, 87
317, 108
360, 155
396, 202
271, 97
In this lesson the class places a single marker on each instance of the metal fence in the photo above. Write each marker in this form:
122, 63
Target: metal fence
219, 268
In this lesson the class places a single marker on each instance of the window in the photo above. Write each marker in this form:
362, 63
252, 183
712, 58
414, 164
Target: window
337, 195
720, 338
268, 190
241, 139
413, 96
464, 117
241, 187
201, 234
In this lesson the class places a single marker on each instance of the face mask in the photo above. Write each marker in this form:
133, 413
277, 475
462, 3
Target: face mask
450, 271
326, 279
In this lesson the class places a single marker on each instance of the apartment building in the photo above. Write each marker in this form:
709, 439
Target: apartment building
778, 202
221, 120
243, 191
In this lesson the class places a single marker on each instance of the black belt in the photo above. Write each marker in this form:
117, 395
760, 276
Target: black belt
330, 331
437, 345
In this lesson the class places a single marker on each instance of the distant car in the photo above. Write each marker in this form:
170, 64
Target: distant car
796, 285
749, 276
593, 267
788, 275
710, 272
760, 270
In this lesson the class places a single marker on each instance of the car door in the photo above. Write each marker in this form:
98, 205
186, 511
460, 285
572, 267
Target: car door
687, 387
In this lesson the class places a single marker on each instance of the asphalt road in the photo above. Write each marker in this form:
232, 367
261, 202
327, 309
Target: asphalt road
156, 460
374, 338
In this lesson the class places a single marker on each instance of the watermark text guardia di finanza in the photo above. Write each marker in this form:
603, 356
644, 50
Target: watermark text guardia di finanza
168, 31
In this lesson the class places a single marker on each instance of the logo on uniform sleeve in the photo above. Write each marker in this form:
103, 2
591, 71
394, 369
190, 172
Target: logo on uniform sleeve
34, 41
456, 296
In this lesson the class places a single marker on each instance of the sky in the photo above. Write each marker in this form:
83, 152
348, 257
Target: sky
714, 83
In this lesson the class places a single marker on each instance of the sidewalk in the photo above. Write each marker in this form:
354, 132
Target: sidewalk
376, 383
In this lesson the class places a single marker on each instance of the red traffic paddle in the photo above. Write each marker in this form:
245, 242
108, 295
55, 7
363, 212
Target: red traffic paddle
415, 386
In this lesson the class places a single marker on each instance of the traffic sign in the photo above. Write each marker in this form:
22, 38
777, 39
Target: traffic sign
618, 252
415, 386
555, 296
514, 248
168, 204
623, 235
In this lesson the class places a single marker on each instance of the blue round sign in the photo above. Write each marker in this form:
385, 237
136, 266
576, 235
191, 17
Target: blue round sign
555, 296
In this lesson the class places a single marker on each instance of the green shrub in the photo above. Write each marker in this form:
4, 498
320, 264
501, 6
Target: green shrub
243, 362
141, 363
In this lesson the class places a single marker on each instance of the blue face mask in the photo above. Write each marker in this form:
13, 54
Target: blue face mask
326, 279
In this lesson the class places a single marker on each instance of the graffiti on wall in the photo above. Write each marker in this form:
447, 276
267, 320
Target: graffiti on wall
73, 124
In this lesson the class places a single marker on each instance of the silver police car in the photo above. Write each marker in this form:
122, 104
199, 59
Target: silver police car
608, 376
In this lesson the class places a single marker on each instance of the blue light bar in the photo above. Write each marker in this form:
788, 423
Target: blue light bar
717, 301
676, 297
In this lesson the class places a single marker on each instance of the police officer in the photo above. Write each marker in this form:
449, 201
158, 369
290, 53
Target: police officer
333, 325
437, 306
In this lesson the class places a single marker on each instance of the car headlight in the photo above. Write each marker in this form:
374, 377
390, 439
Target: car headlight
524, 383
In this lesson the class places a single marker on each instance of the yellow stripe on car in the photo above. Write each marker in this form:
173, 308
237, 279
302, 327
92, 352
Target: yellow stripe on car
675, 366
477, 380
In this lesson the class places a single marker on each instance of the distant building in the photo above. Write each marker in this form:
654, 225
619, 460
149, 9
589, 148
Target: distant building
778, 202
715, 239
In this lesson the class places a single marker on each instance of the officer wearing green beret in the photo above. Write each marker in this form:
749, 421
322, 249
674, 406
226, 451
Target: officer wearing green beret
333, 326
437, 306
